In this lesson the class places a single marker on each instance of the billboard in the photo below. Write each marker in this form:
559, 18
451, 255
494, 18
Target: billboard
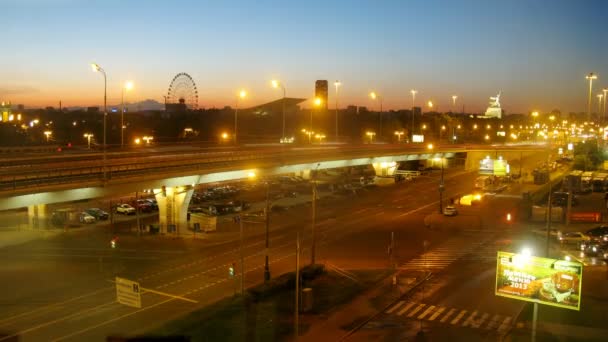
500, 167
541, 280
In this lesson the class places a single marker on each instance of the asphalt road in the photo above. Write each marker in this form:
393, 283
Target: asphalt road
60, 288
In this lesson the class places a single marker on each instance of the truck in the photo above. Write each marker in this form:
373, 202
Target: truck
598, 182
586, 179
573, 181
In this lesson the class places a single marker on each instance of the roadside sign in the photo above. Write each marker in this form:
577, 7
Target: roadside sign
128, 292
539, 280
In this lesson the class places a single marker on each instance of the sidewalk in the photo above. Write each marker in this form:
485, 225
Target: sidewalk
346, 319
12, 237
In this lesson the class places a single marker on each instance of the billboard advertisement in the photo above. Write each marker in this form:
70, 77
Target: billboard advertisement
541, 280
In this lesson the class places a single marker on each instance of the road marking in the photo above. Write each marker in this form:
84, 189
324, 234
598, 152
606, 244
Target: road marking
426, 312
416, 310
505, 324
445, 318
470, 319
395, 307
457, 318
437, 313
479, 322
407, 307
418, 209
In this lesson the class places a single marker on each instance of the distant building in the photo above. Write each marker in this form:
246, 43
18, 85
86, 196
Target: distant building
5, 111
417, 111
20, 107
92, 109
321, 91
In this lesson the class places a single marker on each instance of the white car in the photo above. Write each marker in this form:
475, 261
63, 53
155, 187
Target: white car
125, 209
574, 237
86, 218
450, 210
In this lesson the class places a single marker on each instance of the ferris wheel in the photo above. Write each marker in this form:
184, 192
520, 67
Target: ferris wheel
183, 90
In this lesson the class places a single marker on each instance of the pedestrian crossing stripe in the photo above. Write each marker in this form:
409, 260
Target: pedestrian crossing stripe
450, 251
453, 316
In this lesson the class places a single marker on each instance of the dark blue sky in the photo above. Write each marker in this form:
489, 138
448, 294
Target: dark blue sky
536, 52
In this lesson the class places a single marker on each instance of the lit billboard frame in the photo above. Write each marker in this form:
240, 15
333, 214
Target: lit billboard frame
533, 279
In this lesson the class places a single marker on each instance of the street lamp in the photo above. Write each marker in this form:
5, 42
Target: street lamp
276, 84
398, 134
127, 86
590, 77
97, 68
370, 135
88, 136
374, 97
242, 94
454, 97
316, 103
599, 103
48, 135
148, 139
337, 84
604, 111
413, 92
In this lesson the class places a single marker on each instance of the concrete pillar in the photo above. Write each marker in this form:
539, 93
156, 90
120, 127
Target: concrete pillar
173, 207
385, 169
37, 216
304, 173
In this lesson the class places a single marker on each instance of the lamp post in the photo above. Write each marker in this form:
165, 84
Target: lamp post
97, 68
590, 77
599, 105
605, 90
337, 84
127, 86
454, 97
413, 92
242, 95
88, 136
267, 217
398, 134
48, 135
316, 103
277, 84
370, 135
375, 96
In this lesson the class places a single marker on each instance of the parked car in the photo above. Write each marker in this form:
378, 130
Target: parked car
450, 210
152, 203
594, 248
143, 206
85, 217
574, 237
598, 233
125, 209
98, 213
560, 199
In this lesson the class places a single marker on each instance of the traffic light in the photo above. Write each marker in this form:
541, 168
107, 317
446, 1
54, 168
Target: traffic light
509, 218
114, 242
231, 269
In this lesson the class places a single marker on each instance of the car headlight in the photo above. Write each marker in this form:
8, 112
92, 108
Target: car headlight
594, 249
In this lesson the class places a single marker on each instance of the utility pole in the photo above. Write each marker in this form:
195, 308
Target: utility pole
313, 222
296, 318
137, 213
441, 188
241, 255
267, 212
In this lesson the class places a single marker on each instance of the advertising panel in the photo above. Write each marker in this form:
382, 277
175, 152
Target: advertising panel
500, 167
541, 280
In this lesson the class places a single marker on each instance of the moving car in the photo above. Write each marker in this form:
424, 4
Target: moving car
574, 237
84, 217
98, 213
450, 210
125, 209
599, 234
594, 248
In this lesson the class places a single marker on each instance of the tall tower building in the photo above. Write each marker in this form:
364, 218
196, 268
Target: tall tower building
321, 91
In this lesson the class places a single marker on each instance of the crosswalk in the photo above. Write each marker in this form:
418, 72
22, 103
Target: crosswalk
449, 251
451, 316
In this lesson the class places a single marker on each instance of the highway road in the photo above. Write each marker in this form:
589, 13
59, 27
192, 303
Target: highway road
60, 289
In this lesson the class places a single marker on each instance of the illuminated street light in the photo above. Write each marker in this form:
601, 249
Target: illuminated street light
316, 104
126, 87
599, 103
337, 84
147, 139
88, 136
97, 68
429, 147
430, 104
605, 91
137, 141
413, 92
48, 135
398, 134
590, 77
276, 84
454, 97
374, 97
370, 135
242, 95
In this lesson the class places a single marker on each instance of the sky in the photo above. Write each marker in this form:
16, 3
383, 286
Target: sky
536, 53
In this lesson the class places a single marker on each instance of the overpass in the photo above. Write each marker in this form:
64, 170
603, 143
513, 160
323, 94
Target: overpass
35, 181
